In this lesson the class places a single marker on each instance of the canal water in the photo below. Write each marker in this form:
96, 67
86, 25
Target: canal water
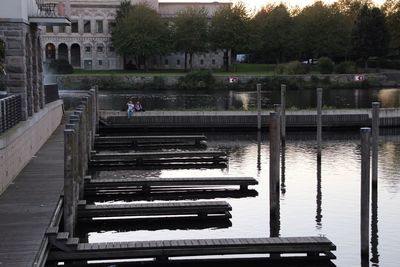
238, 100
315, 199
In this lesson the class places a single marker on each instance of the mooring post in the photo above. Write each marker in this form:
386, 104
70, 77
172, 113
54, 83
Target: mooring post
259, 106
69, 195
365, 190
283, 113
274, 168
319, 121
375, 142
96, 88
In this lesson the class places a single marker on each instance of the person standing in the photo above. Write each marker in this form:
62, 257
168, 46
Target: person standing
131, 109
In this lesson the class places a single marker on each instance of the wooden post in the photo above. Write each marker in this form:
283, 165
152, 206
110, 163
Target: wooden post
69, 194
274, 161
283, 113
259, 151
97, 107
318, 216
319, 120
375, 142
258, 106
365, 188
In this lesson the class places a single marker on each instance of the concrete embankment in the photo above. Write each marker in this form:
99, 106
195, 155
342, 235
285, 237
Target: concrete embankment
352, 118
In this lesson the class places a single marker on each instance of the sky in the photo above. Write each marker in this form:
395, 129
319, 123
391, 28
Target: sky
257, 4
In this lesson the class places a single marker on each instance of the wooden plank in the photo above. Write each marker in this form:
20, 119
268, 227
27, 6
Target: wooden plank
28, 204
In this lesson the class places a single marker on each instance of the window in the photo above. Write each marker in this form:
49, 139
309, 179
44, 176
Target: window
99, 26
100, 62
111, 26
166, 62
213, 61
88, 49
201, 61
111, 49
49, 28
86, 26
61, 29
100, 49
178, 62
74, 27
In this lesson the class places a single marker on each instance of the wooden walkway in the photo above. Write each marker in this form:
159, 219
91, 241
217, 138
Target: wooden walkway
27, 206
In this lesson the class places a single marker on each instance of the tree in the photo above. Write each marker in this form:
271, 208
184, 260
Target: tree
321, 31
229, 30
272, 32
370, 36
190, 32
391, 8
351, 8
140, 32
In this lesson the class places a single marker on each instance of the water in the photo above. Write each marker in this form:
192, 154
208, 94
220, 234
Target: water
315, 200
243, 100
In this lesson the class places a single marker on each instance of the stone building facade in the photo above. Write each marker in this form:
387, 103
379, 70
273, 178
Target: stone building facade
20, 35
87, 42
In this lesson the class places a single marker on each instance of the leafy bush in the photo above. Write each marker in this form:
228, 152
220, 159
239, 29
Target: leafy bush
325, 65
197, 80
296, 67
60, 66
346, 67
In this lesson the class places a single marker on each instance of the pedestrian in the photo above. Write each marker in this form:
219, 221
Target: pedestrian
138, 107
131, 109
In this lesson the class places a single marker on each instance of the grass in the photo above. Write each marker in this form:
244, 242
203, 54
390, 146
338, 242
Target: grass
241, 70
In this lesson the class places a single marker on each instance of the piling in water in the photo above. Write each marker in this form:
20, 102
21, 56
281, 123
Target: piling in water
283, 113
375, 142
258, 106
319, 121
274, 131
365, 190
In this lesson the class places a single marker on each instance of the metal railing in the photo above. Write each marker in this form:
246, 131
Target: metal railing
10, 112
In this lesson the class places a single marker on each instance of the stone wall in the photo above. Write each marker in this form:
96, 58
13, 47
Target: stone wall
23, 64
19, 144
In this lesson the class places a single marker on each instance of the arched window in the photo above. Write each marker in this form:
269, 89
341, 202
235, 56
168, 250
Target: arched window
63, 51
76, 55
50, 51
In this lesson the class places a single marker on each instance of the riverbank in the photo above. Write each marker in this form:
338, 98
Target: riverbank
239, 81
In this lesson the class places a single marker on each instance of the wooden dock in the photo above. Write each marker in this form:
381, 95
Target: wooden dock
27, 206
311, 248
149, 142
193, 208
149, 184
154, 159
168, 120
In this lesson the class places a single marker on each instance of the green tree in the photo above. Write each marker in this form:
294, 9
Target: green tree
229, 30
370, 36
351, 8
140, 32
391, 8
272, 32
322, 31
190, 32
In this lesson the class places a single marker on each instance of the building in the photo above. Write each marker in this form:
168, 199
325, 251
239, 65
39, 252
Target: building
20, 22
87, 42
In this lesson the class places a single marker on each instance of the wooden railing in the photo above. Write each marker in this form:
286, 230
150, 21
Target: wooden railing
10, 112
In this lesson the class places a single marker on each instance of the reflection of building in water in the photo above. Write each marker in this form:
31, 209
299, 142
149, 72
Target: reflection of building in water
389, 97
87, 42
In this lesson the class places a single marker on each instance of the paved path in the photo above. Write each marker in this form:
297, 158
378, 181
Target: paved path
27, 205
